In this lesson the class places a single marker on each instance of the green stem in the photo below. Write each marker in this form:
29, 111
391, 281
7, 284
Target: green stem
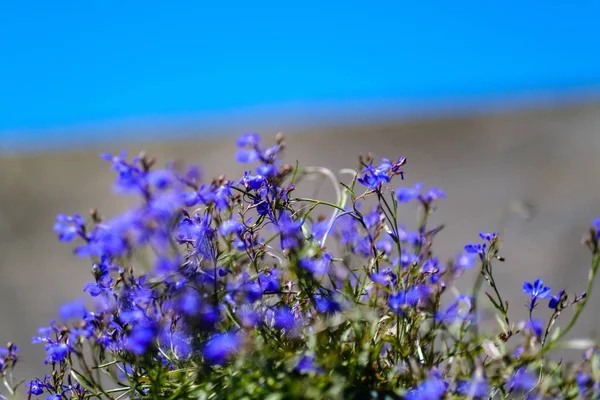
581, 305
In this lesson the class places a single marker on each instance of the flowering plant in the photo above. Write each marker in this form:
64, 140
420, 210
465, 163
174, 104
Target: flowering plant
245, 289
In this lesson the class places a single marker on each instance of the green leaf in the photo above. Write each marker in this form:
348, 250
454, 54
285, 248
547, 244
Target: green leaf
489, 296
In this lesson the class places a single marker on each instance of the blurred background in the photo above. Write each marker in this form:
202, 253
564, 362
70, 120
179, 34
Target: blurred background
497, 103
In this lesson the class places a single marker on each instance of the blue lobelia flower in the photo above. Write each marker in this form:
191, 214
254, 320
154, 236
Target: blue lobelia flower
407, 194
476, 388
477, 248
522, 380
555, 301
432, 389
220, 347
536, 290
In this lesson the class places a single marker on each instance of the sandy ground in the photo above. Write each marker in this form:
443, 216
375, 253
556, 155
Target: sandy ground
549, 159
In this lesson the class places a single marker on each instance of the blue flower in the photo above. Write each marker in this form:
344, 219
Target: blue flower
476, 388
284, 319
476, 248
555, 301
319, 229
405, 195
596, 223
248, 139
266, 170
432, 389
130, 178
246, 156
220, 347
537, 290
317, 266
231, 226
56, 352
411, 297
35, 387
252, 292
373, 177
583, 383
252, 182
385, 277
161, 179
248, 317
326, 305
464, 261
222, 196
189, 303
306, 364
536, 327
290, 231
68, 227
522, 380
489, 237
75, 309
433, 194
457, 311
140, 337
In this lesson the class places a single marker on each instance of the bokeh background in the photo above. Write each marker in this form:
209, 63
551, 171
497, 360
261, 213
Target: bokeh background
494, 102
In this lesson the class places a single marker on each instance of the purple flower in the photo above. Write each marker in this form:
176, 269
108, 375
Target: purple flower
220, 347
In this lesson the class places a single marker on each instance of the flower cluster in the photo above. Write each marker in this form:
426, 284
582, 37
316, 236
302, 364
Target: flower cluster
243, 289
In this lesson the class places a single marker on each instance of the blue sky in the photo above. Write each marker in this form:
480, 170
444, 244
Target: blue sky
70, 63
